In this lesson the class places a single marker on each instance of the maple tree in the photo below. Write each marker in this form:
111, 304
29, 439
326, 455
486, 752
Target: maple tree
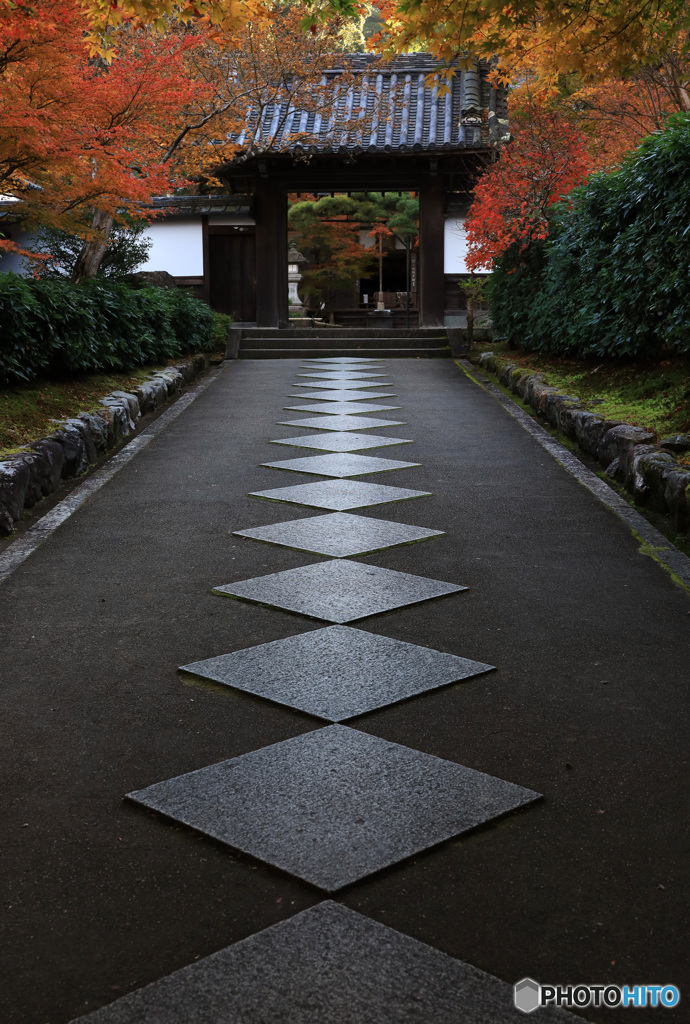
84, 141
564, 34
255, 81
593, 38
101, 19
617, 114
547, 158
328, 233
76, 133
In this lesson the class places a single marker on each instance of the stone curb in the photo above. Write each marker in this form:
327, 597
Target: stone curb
78, 442
630, 455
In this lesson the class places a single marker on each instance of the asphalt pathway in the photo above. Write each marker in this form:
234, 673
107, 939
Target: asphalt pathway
587, 706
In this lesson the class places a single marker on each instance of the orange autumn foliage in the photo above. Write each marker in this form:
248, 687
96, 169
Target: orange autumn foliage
593, 39
83, 140
75, 132
256, 80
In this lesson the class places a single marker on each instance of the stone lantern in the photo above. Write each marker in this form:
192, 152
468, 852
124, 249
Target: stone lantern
295, 258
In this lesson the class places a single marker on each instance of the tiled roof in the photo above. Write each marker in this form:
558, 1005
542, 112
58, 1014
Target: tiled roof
399, 106
193, 205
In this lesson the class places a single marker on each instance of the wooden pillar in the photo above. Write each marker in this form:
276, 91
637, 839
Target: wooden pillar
431, 230
271, 253
206, 271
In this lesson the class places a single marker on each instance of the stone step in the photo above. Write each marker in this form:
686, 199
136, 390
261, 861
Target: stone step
342, 332
304, 343
362, 345
405, 352
356, 341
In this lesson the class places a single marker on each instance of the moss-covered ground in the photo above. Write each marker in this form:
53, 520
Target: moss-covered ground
657, 519
27, 413
655, 396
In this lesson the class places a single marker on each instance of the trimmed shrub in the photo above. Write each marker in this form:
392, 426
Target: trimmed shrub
58, 328
613, 279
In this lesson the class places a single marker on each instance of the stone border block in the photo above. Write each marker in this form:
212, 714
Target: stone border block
77, 442
629, 454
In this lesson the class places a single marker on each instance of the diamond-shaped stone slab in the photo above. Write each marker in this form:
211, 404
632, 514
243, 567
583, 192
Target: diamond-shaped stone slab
321, 361
338, 591
340, 464
342, 384
341, 441
342, 408
337, 672
340, 395
326, 965
342, 375
334, 805
339, 535
339, 495
341, 423
360, 367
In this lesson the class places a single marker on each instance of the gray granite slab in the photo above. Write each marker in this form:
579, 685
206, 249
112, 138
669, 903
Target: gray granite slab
337, 672
339, 535
343, 374
333, 805
346, 360
359, 367
342, 384
341, 441
341, 423
326, 965
340, 464
339, 495
338, 591
342, 408
339, 395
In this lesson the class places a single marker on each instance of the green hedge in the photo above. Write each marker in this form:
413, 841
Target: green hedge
614, 277
56, 328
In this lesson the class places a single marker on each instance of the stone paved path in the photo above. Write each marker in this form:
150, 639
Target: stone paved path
505, 641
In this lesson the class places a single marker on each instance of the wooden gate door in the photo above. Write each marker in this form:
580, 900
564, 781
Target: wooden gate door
232, 272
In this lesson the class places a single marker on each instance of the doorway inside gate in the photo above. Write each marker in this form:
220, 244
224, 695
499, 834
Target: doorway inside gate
232, 271
358, 253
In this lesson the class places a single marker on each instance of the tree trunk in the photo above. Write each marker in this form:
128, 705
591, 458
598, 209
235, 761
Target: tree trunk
93, 250
470, 321
685, 95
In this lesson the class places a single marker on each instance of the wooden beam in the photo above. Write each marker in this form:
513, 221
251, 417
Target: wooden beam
431, 232
405, 172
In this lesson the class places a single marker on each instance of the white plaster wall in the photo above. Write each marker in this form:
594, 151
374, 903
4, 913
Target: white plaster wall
455, 247
13, 263
177, 247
